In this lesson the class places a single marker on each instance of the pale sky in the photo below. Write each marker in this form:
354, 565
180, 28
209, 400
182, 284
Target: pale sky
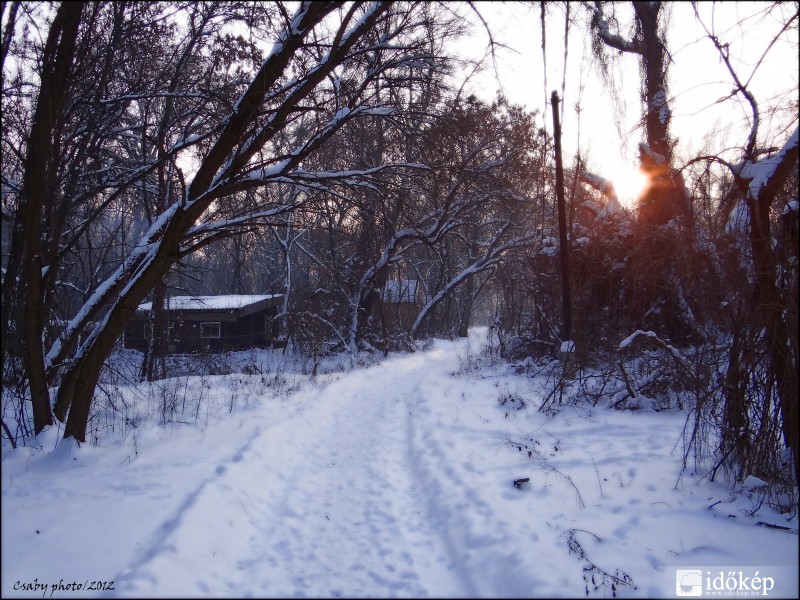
608, 137
697, 76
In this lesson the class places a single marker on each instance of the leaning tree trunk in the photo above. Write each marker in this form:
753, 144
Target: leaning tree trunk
161, 247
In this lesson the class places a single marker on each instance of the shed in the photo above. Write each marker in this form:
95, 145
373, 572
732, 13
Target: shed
210, 323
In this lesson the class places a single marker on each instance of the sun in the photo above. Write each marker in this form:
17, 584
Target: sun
629, 181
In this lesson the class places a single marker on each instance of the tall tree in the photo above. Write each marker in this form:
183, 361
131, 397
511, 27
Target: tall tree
760, 181
40, 167
288, 110
656, 284
665, 197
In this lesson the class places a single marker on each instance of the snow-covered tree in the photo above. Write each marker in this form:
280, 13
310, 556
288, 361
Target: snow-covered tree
288, 107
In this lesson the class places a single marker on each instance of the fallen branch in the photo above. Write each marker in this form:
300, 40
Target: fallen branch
628, 386
778, 527
591, 572
651, 335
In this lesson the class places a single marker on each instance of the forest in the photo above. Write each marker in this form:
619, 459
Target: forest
331, 154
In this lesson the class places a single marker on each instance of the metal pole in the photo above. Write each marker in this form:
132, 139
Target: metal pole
566, 331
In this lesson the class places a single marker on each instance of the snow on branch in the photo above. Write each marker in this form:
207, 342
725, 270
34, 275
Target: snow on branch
605, 187
638, 333
146, 96
208, 227
109, 288
344, 42
187, 142
282, 166
347, 176
659, 106
654, 157
245, 111
762, 173
600, 25
677, 354
738, 218
482, 263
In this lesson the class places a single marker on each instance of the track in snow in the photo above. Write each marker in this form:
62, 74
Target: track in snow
331, 503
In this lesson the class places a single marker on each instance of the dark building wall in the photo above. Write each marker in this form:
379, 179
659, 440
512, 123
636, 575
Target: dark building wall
184, 331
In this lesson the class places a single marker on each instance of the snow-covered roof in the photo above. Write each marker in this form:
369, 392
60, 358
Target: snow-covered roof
400, 290
206, 303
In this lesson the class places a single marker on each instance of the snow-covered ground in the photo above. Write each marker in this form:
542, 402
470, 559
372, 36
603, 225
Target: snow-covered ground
394, 480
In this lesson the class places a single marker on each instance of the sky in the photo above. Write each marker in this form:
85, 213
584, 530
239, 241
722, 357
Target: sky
698, 78
704, 115
432, 474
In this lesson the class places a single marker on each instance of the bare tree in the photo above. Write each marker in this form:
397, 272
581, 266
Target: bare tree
288, 111
760, 181
40, 168
665, 197
657, 287
488, 159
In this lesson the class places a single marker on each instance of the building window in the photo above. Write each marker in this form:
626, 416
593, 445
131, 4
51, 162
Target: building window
209, 330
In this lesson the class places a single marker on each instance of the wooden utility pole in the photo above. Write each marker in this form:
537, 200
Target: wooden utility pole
567, 345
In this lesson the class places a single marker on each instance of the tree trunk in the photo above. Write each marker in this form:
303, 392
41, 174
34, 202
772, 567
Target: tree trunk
769, 308
77, 387
57, 62
665, 197
154, 362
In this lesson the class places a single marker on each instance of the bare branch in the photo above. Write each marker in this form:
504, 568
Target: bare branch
601, 27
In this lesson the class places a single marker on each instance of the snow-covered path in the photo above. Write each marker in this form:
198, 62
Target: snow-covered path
356, 488
389, 481
345, 482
